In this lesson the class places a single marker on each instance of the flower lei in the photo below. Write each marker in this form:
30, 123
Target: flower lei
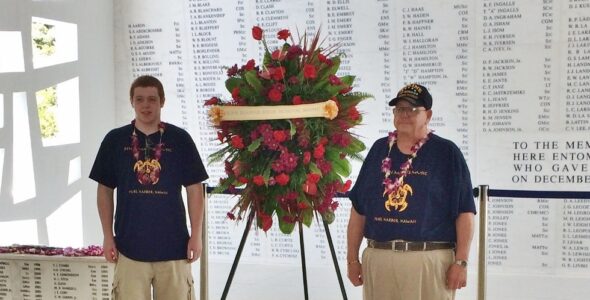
392, 186
147, 170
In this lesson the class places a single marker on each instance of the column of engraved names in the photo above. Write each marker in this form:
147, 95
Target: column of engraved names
65, 281
575, 236
142, 50
577, 104
420, 55
498, 66
462, 83
545, 98
339, 15
5, 281
206, 72
385, 35
500, 212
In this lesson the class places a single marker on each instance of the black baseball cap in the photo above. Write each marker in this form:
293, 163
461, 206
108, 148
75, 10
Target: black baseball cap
415, 94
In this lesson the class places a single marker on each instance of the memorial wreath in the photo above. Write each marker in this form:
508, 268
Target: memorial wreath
285, 133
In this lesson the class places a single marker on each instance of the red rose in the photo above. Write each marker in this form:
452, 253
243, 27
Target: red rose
306, 157
309, 71
346, 186
309, 188
237, 142
249, 65
242, 179
282, 179
313, 177
265, 221
213, 100
275, 95
283, 34
318, 151
278, 55
258, 180
235, 93
297, 100
257, 33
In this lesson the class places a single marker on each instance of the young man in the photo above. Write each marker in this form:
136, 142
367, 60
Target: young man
413, 202
148, 162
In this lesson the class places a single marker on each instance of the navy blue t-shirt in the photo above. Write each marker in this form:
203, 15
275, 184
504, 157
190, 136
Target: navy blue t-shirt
437, 189
150, 219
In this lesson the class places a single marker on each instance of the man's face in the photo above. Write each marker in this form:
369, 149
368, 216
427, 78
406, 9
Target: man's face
410, 119
147, 105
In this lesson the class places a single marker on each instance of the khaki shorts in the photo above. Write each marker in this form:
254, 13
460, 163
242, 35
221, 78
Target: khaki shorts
415, 275
134, 280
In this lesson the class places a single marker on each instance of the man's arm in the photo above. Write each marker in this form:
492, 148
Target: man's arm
195, 203
356, 225
106, 208
456, 274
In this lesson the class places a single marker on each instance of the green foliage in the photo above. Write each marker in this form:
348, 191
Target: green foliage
43, 36
46, 106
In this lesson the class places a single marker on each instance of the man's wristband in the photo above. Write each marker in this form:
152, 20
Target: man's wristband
353, 262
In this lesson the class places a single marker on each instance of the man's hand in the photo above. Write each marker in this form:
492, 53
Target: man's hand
194, 248
456, 277
355, 273
110, 251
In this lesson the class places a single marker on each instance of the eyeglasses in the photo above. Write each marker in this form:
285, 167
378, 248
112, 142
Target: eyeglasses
408, 111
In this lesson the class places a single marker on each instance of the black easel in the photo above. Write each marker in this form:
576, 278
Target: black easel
303, 265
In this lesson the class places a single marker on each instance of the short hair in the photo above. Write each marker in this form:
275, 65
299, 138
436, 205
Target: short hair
147, 81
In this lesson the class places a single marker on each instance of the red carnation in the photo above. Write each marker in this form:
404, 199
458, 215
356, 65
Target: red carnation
283, 34
282, 179
275, 95
279, 135
257, 33
309, 71
258, 180
278, 73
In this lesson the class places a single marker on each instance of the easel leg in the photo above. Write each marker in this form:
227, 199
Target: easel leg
335, 260
238, 254
303, 260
